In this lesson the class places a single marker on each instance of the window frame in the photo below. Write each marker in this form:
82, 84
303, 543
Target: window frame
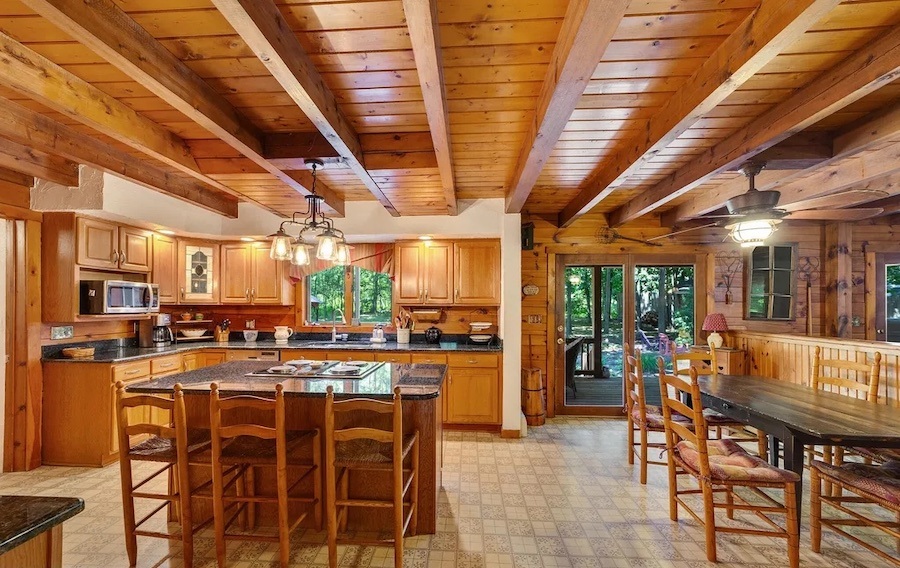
770, 295
303, 307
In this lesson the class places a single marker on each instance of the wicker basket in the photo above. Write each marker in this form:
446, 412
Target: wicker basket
78, 352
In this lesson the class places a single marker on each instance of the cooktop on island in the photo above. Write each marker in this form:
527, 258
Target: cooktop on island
302, 368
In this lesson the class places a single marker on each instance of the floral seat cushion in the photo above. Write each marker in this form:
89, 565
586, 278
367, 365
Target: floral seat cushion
654, 416
882, 481
730, 462
880, 455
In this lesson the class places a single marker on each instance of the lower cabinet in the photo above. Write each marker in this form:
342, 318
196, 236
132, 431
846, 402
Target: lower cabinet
472, 389
210, 358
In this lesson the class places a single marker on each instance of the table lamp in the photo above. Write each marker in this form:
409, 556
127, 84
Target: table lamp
715, 323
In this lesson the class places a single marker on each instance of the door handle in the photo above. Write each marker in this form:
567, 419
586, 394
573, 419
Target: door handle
247, 294
122, 257
182, 292
115, 255
560, 341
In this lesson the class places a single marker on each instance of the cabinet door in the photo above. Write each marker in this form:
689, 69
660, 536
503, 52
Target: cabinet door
438, 273
98, 243
210, 358
234, 284
410, 271
165, 261
135, 249
477, 271
473, 396
198, 273
267, 277
191, 361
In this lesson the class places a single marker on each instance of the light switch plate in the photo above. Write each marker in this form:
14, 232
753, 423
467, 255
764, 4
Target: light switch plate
62, 332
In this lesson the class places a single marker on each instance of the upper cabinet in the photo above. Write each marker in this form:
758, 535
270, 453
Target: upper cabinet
165, 268
198, 265
477, 272
249, 276
109, 246
448, 273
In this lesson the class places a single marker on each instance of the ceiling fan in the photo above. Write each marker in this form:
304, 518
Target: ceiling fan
754, 215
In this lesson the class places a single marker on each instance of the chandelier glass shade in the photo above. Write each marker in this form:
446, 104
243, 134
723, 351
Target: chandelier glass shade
753, 232
330, 242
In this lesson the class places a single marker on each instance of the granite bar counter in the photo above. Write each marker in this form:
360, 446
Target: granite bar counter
110, 354
420, 390
31, 529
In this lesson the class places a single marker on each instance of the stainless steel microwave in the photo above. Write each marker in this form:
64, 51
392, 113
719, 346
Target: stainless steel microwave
100, 297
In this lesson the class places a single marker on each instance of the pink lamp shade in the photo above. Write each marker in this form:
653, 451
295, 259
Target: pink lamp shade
715, 322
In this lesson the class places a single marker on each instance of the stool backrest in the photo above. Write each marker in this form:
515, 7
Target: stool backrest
634, 383
394, 435
673, 390
850, 378
704, 363
241, 406
134, 416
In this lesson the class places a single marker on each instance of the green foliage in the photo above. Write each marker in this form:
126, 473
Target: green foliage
328, 287
372, 296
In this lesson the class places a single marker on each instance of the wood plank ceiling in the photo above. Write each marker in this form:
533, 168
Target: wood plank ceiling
470, 99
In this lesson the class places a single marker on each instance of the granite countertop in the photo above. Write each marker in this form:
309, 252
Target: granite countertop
417, 381
24, 518
122, 354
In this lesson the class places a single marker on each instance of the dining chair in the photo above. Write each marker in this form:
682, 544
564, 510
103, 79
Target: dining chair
367, 435
722, 467
642, 418
238, 441
173, 447
868, 485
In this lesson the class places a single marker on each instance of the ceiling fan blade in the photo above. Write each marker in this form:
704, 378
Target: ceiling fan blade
682, 231
837, 214
847, 198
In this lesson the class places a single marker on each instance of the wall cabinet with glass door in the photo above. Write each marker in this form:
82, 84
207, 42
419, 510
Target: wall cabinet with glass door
249, 276
198, 272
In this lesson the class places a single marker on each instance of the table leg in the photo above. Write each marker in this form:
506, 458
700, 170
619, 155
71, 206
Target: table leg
774, 447
793, 461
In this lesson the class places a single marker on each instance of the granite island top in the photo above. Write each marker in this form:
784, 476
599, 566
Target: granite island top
122, 354
416, 381
23, 518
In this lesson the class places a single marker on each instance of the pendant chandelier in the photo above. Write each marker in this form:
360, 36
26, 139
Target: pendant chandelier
330, 243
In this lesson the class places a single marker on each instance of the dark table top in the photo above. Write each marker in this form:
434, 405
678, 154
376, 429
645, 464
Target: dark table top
812, 413
417, 381
122, 354
23, 518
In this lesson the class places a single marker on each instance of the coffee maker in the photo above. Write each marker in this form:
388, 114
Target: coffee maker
155, 332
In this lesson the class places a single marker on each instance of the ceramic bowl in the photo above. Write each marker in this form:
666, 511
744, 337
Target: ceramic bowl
193, 332
251, 334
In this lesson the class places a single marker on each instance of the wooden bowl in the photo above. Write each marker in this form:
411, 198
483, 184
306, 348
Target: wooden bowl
78, 352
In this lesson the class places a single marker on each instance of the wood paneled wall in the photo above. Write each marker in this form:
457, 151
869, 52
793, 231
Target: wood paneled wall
790, 357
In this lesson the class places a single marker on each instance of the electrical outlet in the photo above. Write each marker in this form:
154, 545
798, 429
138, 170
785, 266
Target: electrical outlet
62, 332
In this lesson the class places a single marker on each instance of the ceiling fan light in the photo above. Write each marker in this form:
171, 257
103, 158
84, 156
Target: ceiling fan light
327, 245
281, 246
300, 255
752, 233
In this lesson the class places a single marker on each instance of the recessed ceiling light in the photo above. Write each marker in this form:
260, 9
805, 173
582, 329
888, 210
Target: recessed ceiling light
248, 239
167, 232
424, 237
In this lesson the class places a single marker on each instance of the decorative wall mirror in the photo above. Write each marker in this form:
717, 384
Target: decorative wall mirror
771, 276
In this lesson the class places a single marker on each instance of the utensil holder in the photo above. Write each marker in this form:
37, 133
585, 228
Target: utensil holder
403, 336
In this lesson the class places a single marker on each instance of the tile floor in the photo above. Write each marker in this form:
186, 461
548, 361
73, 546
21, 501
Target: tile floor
562, 497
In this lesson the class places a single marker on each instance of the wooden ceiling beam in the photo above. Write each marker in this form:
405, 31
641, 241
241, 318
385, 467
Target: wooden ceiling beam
262, 26
111, 33
874, 129
35, 163
586, 31
35, 130
421, 19
863, 72
757, 40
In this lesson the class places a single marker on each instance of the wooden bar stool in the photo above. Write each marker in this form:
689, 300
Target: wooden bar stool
246, 445
368, 448
173, 446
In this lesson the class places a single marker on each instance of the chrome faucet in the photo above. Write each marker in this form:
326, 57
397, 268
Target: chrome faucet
334, 322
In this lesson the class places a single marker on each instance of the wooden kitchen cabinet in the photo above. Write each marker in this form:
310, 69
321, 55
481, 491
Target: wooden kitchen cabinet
165, 268
477, 273
394, 358
105, 245
424, 273
472, 389
210, 358
135, 249
349, 355
198, 272
730, 361
249, 276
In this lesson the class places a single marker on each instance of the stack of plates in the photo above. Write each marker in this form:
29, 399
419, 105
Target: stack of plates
479, 326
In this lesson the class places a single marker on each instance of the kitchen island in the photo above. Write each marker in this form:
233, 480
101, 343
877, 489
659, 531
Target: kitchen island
420, 388
31, 529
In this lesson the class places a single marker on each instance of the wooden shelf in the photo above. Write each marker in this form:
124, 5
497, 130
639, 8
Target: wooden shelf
185, 322
180, 338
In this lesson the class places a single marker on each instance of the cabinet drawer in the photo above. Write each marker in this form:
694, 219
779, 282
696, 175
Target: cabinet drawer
350, 356
428, 358
130, 371
398, 358
472, 360
252, 355
165, 365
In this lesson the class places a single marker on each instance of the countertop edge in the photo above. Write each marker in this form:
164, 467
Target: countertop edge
32, 531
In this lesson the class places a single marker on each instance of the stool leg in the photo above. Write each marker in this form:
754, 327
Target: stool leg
219, 510
414, 490
398, 515
185, 515
630, 441
345, 494
128, 507
284, 535
172, 509
240, 490
250, 491
330, 506
317, 479
815, 510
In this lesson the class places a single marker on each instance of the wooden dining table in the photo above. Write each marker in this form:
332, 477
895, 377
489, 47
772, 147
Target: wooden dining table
797, 416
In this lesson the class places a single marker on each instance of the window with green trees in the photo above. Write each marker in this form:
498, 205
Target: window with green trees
363, 296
